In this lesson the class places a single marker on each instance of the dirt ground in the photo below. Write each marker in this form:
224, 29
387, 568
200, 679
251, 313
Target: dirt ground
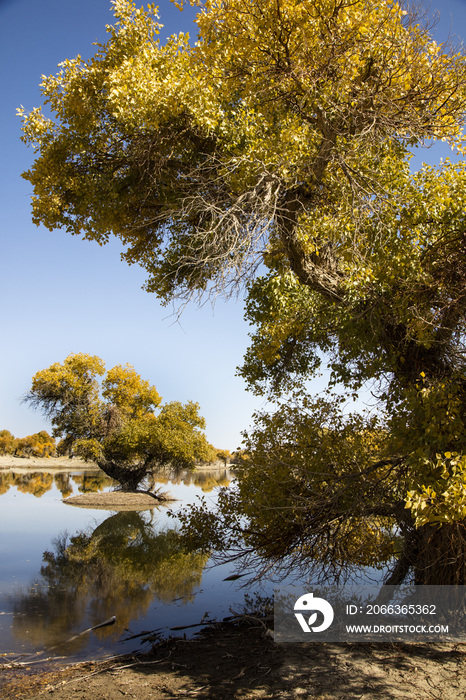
241, 662
118, 500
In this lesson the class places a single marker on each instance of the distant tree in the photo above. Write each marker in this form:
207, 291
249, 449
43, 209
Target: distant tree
113, 423
7, 442
45, 444
64, 448
36, 445
241, 457
224, 455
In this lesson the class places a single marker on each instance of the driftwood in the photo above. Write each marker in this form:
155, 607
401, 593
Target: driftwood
16, 662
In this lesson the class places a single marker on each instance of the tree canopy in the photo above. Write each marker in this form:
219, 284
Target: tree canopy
113, 423
276, 152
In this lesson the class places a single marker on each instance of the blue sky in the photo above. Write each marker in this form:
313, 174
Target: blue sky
63, 295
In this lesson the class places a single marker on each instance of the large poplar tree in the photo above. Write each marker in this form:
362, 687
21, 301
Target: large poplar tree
284, 137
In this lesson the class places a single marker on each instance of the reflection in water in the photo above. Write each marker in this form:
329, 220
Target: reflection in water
91, 482
6, 480
118, 570
39, 482
64, 484
206, 479
36, 483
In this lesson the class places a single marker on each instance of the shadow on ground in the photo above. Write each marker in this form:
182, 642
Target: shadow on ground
241, 662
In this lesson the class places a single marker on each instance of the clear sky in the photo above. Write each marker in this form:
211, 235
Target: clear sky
61, 294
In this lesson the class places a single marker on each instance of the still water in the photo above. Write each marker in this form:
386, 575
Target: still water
64, 569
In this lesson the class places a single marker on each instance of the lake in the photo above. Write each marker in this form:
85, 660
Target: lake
64, 569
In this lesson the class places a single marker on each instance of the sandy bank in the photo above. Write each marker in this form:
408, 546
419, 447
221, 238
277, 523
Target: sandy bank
51, 463
45, 463
117, 500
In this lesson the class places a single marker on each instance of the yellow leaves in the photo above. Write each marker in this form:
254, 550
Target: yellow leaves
444, 498
350, 39
124, 388
276, 91
121, 431
36, 128
77, 371
128, 14
89, 449
158, 84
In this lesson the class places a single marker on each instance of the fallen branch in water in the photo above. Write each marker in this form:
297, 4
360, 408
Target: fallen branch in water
143, 634
15, 662
198, 624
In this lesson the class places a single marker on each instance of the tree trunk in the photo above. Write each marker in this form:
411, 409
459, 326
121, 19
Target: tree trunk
441, 555
128, 475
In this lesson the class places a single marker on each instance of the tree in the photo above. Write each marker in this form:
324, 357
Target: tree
284, 137
316, 497
224, 456
36, 445
7, 442
119, 431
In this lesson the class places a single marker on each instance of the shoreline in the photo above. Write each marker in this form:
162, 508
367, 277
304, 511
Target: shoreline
10, 462
240, 661
45, 463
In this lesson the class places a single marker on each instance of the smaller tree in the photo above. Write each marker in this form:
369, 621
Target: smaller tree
224, 456
113, 423
36, 445
7, 442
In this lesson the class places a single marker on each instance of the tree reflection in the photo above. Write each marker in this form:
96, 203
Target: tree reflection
36, 483
39, 482
92, 481
6, 480
118, 570
64, 484
206, 479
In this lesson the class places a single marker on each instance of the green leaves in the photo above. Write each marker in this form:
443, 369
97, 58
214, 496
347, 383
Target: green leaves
283, 137
120, 431
316, 491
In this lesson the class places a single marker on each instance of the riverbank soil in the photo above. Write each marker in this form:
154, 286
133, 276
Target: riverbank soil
119, 500
48, 464
241, 662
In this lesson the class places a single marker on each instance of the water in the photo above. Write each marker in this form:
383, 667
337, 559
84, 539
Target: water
65, 569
